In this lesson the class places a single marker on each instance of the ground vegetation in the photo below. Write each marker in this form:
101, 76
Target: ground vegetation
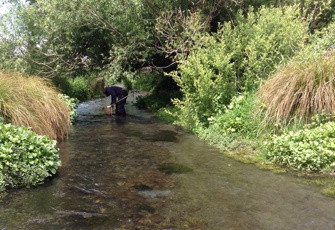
33, 116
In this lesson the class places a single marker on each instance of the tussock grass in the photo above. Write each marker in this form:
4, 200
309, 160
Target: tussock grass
300, 90
33, 102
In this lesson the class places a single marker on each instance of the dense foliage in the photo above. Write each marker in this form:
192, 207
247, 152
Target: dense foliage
25, 158
64, 37
72, 103
75, 37
236, 121
310, 149
235, 60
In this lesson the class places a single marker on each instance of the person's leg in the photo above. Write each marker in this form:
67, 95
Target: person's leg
120, 110
122, 98
117, 109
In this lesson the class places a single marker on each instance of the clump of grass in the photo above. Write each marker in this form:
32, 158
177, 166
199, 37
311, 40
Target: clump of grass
33, 102
299, 91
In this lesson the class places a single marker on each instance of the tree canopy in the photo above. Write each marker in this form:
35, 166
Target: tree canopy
64, 37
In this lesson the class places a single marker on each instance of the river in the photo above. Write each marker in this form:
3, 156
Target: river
140, 173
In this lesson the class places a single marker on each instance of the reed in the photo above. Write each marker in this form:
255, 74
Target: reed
33, 102
300, 90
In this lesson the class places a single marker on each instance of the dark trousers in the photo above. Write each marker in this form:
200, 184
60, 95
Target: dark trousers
120, 110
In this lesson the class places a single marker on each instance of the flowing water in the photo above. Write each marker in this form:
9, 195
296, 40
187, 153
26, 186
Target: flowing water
138, 173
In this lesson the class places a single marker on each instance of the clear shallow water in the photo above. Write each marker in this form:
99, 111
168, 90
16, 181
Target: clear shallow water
138, 173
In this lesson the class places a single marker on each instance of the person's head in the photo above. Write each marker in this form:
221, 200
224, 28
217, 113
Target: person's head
106, 91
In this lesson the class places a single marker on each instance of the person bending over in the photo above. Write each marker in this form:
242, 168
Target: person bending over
118, 99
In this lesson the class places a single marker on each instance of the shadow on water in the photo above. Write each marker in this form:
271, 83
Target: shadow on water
138, 173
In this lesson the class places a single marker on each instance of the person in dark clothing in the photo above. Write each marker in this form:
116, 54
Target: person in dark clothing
118, 99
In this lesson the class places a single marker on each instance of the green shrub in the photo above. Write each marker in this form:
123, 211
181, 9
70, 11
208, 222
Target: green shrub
266, 39
82, 87
310, 149
154, 101
236, 124
238, 117
147, 81
72, 103
235, 60
26, 158
321, 43
162, 90
167, 114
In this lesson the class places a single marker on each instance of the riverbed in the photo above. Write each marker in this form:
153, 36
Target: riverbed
140, 173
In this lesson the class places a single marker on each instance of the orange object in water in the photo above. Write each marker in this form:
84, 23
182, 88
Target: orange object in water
108, 110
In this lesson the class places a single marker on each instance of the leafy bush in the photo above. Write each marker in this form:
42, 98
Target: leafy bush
72, 103
167, 114
82, 87
162, 90
155, 101
235, 124
238, 117
310, 149
264, 40
147, 81
237, 59
321, 45
25, 158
